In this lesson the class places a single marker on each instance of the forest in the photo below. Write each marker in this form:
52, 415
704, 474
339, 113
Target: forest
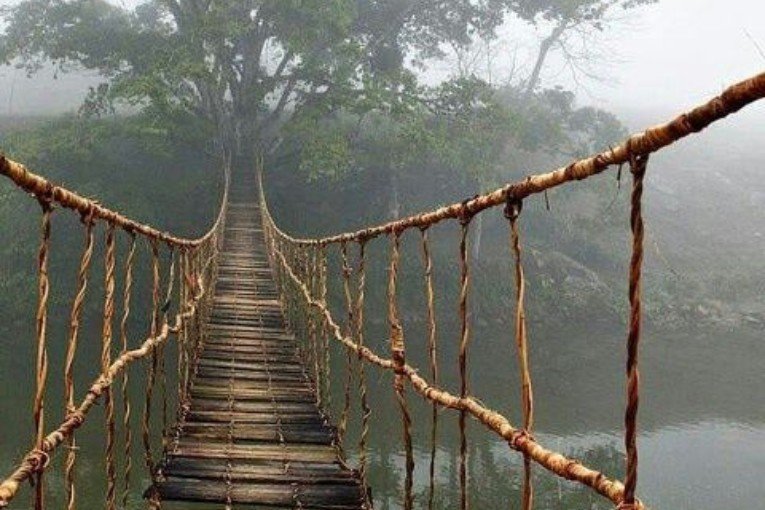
354, 126
363, 111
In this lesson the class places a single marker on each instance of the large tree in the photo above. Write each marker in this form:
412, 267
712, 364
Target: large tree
244, 65
248, 66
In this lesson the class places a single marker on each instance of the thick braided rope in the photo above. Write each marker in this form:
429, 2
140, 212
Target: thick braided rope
463, 358
36, 460
638, 165
34, 464
517, 439
151, 370
651, 140
313, 335
126, 409
342, 426
325, 345
41, 360
433, 358
398, 354
512, 212
106, 361
183, 337
44, 189
162, 367
366, 411
71, 351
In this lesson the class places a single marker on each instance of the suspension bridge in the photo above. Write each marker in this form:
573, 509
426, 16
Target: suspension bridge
245, 307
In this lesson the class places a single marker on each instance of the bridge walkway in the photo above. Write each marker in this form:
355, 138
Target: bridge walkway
253, 434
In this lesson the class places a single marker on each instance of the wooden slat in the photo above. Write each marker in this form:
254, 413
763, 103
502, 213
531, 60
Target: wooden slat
329, 497
253, 419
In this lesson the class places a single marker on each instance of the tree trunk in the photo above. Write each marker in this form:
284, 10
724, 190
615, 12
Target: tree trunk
544, 50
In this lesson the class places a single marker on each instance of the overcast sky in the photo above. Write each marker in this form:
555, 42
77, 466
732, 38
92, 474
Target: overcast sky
680, 52
669, 56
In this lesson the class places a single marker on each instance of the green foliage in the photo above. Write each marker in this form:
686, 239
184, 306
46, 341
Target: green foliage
244, 66
152, 171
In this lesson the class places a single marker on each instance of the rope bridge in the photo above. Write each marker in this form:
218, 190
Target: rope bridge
263, 333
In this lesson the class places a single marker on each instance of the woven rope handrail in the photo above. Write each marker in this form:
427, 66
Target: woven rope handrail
301, 271
36, 460
296, 278
518, 439
197, 258
44, 189
647, 142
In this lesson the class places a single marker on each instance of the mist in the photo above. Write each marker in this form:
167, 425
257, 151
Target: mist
363, 112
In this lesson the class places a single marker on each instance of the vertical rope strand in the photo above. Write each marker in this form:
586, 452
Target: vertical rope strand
366, 411
126, 409
463, 358
162, 351
312, 323
106, 360
71, 351
433, 358
398, 351
342, 427
638, 167
325, 347
41, 360
512, 213
152, 366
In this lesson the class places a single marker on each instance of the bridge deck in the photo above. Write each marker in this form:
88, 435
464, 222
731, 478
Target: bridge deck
254, 434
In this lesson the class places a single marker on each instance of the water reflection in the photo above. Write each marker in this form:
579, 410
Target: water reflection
702, 421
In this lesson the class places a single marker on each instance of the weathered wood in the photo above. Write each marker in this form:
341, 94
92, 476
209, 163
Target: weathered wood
329, 497
267, 433
253, 432
265, 472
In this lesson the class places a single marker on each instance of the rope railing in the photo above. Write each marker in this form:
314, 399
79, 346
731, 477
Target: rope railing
196, 263
304, 293
180, 303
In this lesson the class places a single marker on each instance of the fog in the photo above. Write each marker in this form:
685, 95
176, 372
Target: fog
661, 59
702, 425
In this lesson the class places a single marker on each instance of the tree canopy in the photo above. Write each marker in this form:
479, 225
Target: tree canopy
248, 66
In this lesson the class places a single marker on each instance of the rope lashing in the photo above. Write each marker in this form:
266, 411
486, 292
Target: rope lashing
325, 346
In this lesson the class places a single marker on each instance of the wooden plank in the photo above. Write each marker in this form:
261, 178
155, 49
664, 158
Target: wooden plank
283, 408
223, 373
290, 432
269, 418
328, 497
206, 449
250, 395
253, 418
266, 472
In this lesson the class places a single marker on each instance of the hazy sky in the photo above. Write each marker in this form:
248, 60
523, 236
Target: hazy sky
682, 51
669, 56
